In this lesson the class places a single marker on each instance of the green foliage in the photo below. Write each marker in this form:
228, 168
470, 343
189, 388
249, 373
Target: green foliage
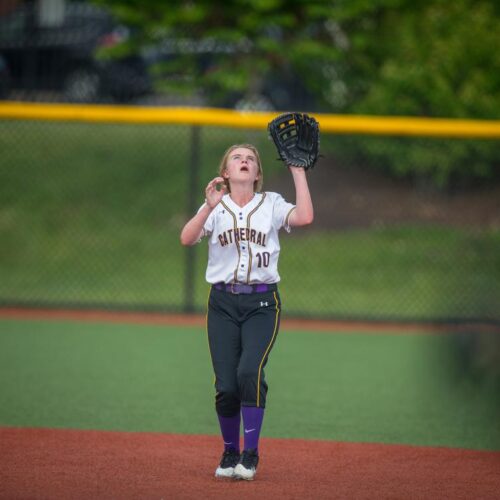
427, 58
439, 163
431, 58
256, 34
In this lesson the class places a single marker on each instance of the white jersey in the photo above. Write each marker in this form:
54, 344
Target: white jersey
243, 244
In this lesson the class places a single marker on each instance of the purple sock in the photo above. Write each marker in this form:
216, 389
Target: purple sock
252, 423
230, 429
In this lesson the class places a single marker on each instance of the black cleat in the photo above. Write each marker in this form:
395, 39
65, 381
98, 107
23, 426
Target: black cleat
227, 463
247, 466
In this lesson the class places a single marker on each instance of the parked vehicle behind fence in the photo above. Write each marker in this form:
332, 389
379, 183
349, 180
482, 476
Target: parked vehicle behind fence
64, 57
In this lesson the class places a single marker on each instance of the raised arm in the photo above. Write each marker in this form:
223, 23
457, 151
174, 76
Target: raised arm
193, 230
303, 214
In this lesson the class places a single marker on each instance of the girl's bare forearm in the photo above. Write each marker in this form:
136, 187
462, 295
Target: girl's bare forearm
304, 210
193, 230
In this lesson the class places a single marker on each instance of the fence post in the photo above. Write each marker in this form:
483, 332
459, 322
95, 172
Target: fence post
192, 197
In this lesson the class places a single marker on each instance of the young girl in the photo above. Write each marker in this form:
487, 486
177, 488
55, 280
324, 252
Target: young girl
242, 225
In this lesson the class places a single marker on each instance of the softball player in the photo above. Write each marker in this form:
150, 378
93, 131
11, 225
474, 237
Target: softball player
242, 225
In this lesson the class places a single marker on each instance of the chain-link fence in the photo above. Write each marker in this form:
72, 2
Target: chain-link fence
90, 216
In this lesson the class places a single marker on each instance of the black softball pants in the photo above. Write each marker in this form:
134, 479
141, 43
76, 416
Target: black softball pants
242, 330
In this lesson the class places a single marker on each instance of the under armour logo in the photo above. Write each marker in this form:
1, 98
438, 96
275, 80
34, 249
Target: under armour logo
262, 304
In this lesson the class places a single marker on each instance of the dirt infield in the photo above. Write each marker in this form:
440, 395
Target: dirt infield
62, 464
199, 321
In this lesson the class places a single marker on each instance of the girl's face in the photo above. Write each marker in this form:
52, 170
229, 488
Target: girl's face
242, 166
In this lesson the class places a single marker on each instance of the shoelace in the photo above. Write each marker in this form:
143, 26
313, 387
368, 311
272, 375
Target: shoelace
249, 459
230, 458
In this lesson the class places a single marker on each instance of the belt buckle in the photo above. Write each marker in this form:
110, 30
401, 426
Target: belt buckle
242, 288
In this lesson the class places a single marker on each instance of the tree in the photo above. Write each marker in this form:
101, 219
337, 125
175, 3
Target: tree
427, 58
235, 46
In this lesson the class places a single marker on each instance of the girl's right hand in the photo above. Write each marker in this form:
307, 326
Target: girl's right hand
212, 195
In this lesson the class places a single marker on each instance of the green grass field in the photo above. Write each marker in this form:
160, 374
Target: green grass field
345, 386
90, 214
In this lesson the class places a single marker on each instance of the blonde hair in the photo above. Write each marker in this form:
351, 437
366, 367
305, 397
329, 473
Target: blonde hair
257, 185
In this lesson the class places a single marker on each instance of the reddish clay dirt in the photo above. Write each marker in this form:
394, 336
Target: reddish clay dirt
63, 464
349, 198
199, 321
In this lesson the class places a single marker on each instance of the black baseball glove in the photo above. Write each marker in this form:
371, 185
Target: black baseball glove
296, 136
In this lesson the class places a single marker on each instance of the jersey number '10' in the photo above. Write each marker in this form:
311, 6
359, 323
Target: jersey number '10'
263, 259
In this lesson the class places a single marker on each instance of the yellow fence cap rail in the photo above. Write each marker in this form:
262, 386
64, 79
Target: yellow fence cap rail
336, 124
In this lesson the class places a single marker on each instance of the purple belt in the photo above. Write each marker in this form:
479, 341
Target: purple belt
238, 288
